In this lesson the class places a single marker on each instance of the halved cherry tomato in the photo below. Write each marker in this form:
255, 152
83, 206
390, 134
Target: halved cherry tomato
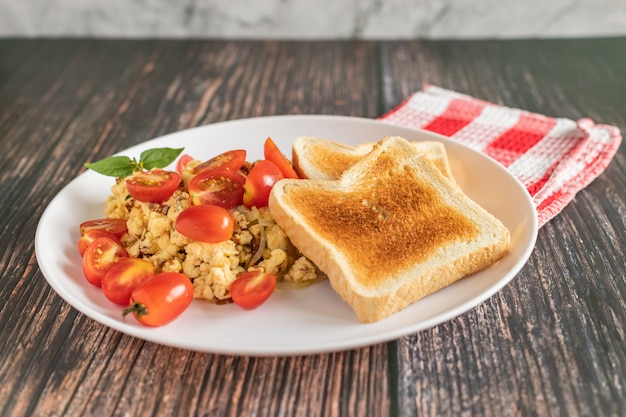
272, 153
221, 187
90, 235
153, 186
161, 298
115, 226
259, 182
188, 171
182, 163
99, 256
252, 288
123, 277
231, 159
206, 223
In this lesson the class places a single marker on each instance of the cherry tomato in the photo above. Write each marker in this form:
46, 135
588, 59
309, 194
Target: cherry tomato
252, 288
99, 256
182, 163
206, 223
123, 277
90, 235
153, 186
115, 226
188, 171
231, 159
221, 187
161, 298
259, 183
272, 153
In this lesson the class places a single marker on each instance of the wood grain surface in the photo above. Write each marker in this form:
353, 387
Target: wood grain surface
551, 343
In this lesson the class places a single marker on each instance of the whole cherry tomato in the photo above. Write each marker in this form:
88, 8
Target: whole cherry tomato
161, 298
90, 235
115, 226
153, 186
252, 288
99, 256
205, 223
123, 277
272, 153
219, 186
259, 182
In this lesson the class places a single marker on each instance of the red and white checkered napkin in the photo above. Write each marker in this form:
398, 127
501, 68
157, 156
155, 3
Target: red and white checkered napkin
553, 157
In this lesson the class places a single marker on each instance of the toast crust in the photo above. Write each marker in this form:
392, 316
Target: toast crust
390, 231
324, 159
330, 158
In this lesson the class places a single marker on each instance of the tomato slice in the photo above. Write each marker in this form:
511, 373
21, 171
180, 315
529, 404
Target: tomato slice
221, 187
115, 226
153, 186
272, 153
231, 159
188, 171
259, 182
99, 256
90, 235
123, 277
160, 299
252, 288
182, 163
206, 223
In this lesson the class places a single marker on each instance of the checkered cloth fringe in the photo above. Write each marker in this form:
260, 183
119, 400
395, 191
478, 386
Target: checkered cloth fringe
554, 158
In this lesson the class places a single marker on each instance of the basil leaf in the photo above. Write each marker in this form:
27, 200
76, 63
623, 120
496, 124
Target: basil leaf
158, 157
113, 166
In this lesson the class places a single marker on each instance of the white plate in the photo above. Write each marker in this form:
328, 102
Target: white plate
291, 322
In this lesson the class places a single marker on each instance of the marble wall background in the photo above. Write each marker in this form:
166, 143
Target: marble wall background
313, 19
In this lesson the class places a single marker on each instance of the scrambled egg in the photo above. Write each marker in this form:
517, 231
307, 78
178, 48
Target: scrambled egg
257, 244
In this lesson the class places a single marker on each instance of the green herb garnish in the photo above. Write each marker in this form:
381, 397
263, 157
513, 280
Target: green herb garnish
123, 166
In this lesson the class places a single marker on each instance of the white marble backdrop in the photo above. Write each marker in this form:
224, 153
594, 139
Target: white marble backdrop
313, 19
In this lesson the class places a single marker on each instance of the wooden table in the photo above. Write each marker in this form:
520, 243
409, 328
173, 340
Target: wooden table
551, 343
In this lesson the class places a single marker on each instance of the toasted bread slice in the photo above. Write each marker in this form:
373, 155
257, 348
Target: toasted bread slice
390, 231
324, 159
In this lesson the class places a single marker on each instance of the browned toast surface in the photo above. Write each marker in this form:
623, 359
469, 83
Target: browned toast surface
390, 231
383, 223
